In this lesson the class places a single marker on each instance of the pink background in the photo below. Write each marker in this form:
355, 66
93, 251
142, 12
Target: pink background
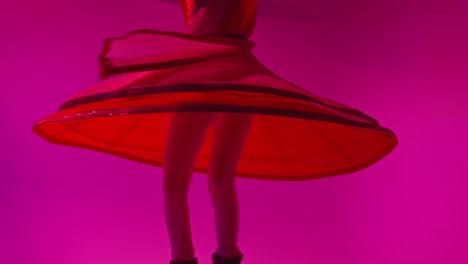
403, 62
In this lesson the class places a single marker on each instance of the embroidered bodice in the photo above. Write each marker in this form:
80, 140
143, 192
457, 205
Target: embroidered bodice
228, 18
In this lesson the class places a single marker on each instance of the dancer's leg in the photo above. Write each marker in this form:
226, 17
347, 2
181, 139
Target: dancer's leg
230, 133
185, 137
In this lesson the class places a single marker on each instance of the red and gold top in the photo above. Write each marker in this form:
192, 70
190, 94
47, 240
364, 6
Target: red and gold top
230, 18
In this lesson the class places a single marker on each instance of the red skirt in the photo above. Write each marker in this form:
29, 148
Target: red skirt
295, 135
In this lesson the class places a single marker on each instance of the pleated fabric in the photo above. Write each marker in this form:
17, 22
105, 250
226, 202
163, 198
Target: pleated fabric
149, 74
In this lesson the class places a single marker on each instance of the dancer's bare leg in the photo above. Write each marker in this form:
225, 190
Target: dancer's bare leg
230, 133
184, 140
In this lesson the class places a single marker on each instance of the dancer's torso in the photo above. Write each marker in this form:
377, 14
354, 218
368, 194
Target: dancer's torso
227, 18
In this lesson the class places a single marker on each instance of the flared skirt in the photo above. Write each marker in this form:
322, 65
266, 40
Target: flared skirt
148, 75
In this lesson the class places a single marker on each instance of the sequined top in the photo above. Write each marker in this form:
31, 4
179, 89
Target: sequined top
236, 21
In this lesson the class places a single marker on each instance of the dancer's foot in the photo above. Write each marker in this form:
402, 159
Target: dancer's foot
220, 260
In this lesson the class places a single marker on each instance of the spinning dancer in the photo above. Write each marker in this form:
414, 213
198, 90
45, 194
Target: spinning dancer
201, 102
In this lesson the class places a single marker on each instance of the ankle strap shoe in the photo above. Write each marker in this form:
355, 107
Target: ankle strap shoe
220, 260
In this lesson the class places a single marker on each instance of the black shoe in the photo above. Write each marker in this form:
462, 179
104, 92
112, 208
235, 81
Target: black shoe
217, 259
194, 261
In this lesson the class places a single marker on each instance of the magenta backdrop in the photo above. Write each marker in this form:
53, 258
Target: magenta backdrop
404, 62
